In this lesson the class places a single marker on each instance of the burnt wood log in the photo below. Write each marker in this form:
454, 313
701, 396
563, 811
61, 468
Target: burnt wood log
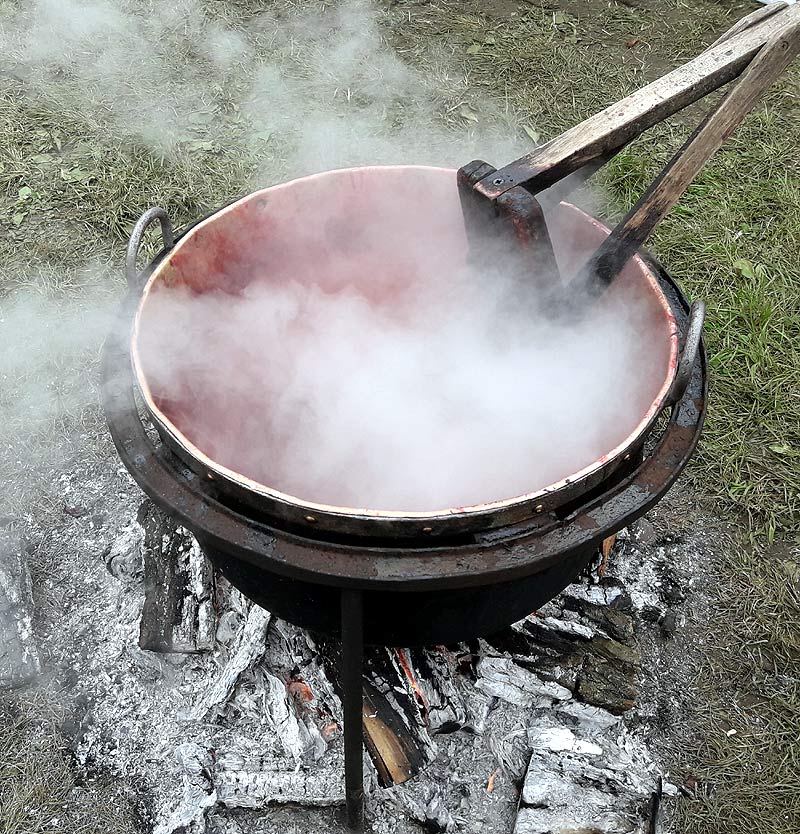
502, 678
198, 792
397, 738
436, 673
395, 734
608, 684
19, 658
610, 618
255, 782
249, 648
178, 612
241, 780
393, 749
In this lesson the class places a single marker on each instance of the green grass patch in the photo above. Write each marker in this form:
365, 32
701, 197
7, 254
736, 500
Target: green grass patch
734, 241
39, 793
744, 747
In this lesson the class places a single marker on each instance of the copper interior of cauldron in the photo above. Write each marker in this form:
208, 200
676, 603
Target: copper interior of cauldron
331, 230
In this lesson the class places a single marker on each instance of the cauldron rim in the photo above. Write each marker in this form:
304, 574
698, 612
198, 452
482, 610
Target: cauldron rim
215, 470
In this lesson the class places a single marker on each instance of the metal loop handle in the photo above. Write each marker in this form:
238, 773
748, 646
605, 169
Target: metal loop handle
135, 242
694, 330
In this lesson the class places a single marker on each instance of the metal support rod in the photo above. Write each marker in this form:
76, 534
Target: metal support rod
352, 670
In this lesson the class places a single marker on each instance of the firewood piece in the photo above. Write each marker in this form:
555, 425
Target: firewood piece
294, 736
551, 803
396, 738
395, 735
550, 638
607, 684
293, 657
178, 612
255, 782
19, 658
580, 778
614, 127
612, 620
249, 649
390, 745
655, 811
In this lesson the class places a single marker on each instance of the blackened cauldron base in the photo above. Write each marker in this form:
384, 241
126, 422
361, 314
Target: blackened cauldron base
404, 618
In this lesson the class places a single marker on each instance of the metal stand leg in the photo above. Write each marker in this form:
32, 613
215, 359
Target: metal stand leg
352, 669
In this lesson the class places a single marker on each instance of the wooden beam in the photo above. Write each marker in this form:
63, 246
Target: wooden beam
614, 127
634, 229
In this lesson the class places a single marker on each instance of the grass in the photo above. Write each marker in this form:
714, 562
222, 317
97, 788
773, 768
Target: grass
39, 793
76, 170
734, 253
749, 686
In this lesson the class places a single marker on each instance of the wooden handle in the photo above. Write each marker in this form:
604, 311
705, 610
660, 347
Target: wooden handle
611, 129
664, 192
749, 20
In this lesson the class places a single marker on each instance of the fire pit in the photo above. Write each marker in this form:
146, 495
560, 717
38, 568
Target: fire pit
389, 576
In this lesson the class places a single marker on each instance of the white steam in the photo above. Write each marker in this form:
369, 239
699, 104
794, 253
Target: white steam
335, 400
151, 70
306, 87
49, 346
462, 400
345, 351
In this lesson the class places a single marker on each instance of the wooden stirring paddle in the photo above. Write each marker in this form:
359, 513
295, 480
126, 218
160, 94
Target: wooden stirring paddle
638, 224
758, 48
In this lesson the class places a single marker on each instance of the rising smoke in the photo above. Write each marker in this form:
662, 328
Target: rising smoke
462, 400
383, 370
318, 80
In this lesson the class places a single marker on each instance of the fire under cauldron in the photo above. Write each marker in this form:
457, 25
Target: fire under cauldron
388, 577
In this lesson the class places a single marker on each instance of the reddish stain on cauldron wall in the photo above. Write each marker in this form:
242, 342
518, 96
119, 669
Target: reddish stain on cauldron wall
331, 233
